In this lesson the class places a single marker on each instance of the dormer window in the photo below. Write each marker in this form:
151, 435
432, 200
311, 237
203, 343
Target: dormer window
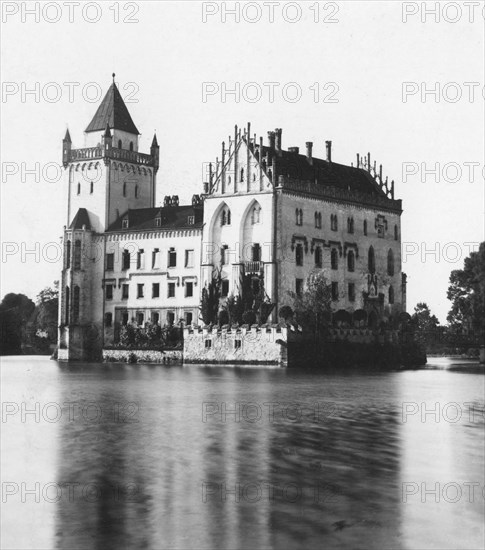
190, 220
124, 224
158, 222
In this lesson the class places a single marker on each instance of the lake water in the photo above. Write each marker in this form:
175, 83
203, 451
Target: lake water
116, 456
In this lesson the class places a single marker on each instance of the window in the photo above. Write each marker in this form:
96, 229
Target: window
334, 291
156, 290
124, 319
351, 292
119, 144
237, 344
390, 263
189, 290
256, 215
350, 225
208, 344
318, 257
189, 258
170, 317
365, 227
395, 233
155, 317
171, 290
109, 292
351, 260
67, 304
299, 287
91, 188
256, 252
139, 290
318, 220
68, 254
155, 258
226, 216
299, 254
172, 258
333, 222
124, 224
140, 259
124, 190
225, 288
126, 259
190, 220
108, 319
334, 258
299, 216
78, 188
371, 261
125, 291
75, 304
131, 146
391, 295
224, 254
158, 222
140, 318
110, 262
136, 191
77, 254
242, 175
188, 317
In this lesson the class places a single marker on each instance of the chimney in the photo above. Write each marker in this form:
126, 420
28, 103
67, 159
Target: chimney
271, 140
278, 132
309, 146
294, 150
328, 145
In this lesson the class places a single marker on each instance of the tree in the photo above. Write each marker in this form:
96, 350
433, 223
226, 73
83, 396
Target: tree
313, 306
427, 329
211, 294
15, 312
467, 294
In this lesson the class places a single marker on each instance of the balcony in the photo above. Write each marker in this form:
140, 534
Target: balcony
253, 268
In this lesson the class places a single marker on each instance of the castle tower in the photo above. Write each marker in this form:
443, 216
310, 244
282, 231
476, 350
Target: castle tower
105, 178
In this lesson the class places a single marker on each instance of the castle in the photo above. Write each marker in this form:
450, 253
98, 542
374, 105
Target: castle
266, 214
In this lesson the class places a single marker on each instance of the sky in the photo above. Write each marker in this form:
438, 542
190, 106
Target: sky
387, 78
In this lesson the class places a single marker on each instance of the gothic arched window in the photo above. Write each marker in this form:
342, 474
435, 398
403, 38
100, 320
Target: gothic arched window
318, 257
390, 263
131, 146
66, 312
242, 175
75, 304
226, 216
299, 254
68, 254
334, 258
124, 190
91, 188
119, 144
365, 227
371, 260
77, 254
136, 191
350, 225
351, 261
333, 222
78, 188
395, 233
391, 295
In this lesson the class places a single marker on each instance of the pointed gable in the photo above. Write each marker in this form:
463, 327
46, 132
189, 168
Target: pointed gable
113, 113
81, 219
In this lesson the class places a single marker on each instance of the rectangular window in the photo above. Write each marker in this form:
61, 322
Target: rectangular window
126, 259
171, 290
125, 291
256, 252
334, 291
140, 318
172, 258
155, 317
237, 344
188, 317
299, 254
299, 287
224, 255
208, 344
156, 258
124, 224
225, 288
155, 290
110, 262
189, 289
189, 258
170, 317
190, 220
124, 319
140, 259
351, 292
109, 292
139, 290
108, 319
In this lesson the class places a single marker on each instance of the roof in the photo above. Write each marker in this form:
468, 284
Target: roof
112, 113
81, 219
296, 166
171, 217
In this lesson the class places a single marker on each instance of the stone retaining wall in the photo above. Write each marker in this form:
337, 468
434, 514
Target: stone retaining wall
142, 356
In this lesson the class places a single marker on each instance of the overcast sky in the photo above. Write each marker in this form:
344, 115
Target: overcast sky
340, 69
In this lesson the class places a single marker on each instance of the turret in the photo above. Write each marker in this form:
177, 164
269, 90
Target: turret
107, 138
155, 153
66, 149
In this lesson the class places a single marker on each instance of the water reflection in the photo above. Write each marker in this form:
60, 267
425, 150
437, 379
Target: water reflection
202, 457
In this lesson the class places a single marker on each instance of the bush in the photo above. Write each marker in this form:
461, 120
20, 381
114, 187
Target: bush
223, 317
286, 312
249, 317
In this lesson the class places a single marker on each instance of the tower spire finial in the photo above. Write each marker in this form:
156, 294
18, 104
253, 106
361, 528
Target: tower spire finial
113, 75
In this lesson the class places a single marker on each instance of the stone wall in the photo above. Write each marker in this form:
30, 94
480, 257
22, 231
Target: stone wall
266, 344
142, 356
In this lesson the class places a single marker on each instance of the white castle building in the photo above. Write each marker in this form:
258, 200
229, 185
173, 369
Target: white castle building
266, 213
